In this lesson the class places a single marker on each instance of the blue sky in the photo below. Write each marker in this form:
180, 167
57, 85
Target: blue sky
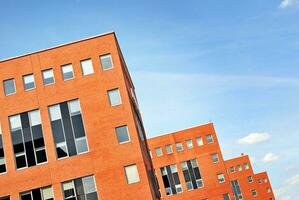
232, 62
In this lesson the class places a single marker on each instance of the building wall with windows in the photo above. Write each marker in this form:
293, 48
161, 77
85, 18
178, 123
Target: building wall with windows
70, 125
264, 186
195, 164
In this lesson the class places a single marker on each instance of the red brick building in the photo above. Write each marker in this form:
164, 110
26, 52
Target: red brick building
189, 165
71, 128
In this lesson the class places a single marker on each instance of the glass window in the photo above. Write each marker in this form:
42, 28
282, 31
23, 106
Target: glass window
189, 144
86, 66
265, 180
260, 181
246, 166
249, 178
239, 167
9, 87
220, 178
28, 81
5, 198
169, 149
179, 146
67, 72
47, 193
226, 197
132, 174
209, 139
232, 169
199, 141
268, 190
114, 97
159, 151
171, 180
74, 107
48, 76
122, 134
55, 112
106, 62
254, 193
34, 117
215, 158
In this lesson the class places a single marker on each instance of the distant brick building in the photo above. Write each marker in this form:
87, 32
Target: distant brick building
189, 165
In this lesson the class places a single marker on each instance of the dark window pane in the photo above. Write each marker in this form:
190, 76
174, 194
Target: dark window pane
2, 169
61, 151
41, 156
186, 176
79, 189
30, 154
48, 81
1, 142
69, 193
4, 198
37, 136
57, 131
197, 173
165, 181
17, 140
176, 178
78, 126
9, 86
21, 161
122, 134
1, 152
26, 197
92, 196
36, 194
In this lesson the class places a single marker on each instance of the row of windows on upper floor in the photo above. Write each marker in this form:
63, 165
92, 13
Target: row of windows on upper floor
67, 129
239, 168
76, 189
48, 74
179, 145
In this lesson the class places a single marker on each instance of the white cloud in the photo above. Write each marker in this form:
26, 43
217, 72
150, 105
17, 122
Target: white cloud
294, 180
270, 157
286, 192
253, 138
288, 3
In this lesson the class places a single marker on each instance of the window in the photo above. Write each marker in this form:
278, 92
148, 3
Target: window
260, 181
199, 141
226, 197
68, 128
209, 139
189, 144
45, 193
236, 190
254, 193
239, 167
249, 178
5, 198
80, 188
122, 134
220, 178
215, 158
171, 180
232, 169
9, 87
192, 174
246, 166
169, 149
179, 146
29, 82
106, 62
114, 97
2, 156
67, 72
48, 76
132, 174
86, 66
159, 151
268, 190
27, 138
265, 180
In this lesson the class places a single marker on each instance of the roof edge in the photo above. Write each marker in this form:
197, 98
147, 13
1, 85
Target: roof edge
57, 46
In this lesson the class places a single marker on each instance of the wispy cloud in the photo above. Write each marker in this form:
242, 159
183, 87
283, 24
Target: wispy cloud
270, 157
290, 185
254, 138
294, 180
289, 3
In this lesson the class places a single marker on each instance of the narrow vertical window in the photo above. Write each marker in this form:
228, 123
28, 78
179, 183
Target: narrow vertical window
220, 178
192, 174
67, 72
189, 144
169, 149
27, 138
249, 179
132, 174
2, 156
246, 166
254, 193
179, 146
87, 67
114, 97
239, 167
232, 169
226, 197
106, 62
215, 158
236, 190
29, 82
209, 139
199, 141
159, 151
171, 180
48, 76
9, 87
122, 134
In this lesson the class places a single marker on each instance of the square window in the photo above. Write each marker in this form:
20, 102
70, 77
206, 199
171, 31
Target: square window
81, 145
67, 72
189, 144
179, 146
199, 141
220, 178
106, 62
159, 151
48, 76
189, 186
249, 178
254, 193
215, 158
47, 193
132, 174
265, 180
232, 169
29, 82
169, 149
209, 139
122, 134
9, 87
260, 181
268, 190
87, 67
89, 184
114, 97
